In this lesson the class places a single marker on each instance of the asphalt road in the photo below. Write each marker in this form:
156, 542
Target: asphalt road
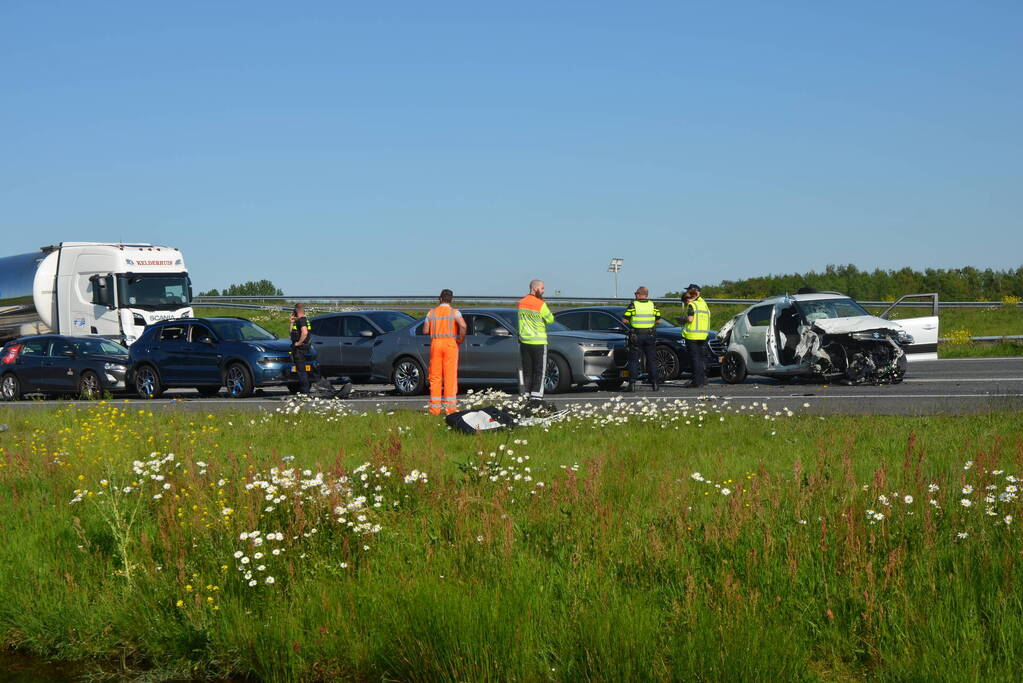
941, 387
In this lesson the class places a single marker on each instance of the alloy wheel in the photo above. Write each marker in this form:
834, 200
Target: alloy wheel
408, 377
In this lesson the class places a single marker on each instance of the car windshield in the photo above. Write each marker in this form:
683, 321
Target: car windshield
98, 347
830, 308
389, 321
155, 291
240, 330
511, 319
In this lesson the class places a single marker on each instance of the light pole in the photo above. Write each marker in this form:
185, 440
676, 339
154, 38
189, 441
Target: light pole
614, 267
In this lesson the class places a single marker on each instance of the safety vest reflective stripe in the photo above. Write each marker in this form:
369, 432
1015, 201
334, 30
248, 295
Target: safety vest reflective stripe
308, 326
534, 316
642, 314
442, 322
699, 328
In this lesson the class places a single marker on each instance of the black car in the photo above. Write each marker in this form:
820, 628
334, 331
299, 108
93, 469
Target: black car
56, 364
672, 354
344, 341
210, 353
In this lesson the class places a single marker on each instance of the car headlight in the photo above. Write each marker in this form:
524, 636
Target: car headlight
115, 366
905, 337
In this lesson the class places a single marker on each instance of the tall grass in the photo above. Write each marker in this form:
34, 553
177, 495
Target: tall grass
633, 542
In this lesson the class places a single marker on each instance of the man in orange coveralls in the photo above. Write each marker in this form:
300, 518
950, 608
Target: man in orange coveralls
446, 328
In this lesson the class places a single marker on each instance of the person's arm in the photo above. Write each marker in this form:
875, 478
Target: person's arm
657, 314
546, 315
690, 313
460, 325
629, 312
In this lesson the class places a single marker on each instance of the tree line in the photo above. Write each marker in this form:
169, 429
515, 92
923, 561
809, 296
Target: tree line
250, 288
953, 284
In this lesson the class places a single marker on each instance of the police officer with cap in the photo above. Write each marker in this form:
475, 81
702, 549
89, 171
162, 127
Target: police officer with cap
642, 316
300, 329
695, 329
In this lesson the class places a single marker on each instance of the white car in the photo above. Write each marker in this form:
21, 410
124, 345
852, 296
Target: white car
825, 335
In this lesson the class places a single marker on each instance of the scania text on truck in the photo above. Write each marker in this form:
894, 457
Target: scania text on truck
92, 288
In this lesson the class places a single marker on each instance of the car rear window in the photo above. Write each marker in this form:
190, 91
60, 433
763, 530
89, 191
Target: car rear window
760, 316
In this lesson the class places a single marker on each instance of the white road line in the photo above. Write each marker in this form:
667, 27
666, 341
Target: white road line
914, 380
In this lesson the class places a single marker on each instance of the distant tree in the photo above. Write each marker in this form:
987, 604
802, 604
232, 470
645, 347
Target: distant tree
251, 288
954, 284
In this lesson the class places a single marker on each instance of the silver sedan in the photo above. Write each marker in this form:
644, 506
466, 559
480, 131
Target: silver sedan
490, 355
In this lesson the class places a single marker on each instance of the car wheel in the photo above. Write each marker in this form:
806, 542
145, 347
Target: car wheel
557, 378
409, 378
10, 387
239, 381
147, 382
733, 368
88, 385
669, 366
208, 391
610, 384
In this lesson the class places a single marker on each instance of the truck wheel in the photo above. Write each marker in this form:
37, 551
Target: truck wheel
10, 387
88, 385
733, 368
557, 378
239, 381
147, 382
409, 377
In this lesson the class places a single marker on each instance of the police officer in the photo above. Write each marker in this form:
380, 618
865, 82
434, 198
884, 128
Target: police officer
642, 316
300, 329
695, 328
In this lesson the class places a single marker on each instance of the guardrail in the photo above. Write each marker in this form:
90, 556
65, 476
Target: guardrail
557, 300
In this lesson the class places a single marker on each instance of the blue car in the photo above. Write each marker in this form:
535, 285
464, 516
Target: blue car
210, 353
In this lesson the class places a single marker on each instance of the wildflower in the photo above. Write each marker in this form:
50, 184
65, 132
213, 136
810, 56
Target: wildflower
180, 603
227, 512
968, 465
726, 492
238, 554
962, 534
932, 488
245, 560
696, 476
1007, 519
908, 500
967, 490
253, 582
966, 502
269, 580
878, 516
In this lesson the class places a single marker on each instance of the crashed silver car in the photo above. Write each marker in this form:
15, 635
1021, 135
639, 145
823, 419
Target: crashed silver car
827, 336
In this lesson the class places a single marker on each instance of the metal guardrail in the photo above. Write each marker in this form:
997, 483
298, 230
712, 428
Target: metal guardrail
560, 300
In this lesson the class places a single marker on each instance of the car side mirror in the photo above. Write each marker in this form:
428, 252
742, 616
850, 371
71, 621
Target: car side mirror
501, 332
208, 340
69, 353
366, 333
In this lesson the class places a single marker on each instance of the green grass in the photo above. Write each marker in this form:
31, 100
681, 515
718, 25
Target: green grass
621, 566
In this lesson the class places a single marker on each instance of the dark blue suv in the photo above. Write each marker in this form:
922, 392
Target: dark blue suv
209, 353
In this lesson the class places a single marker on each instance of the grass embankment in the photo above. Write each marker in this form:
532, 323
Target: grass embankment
628, 544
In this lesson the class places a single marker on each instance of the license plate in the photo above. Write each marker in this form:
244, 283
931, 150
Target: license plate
625, 373
308, 368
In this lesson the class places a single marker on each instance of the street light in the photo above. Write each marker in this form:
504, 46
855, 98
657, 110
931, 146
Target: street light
615, 267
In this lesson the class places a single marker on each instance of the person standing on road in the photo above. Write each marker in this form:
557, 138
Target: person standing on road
446, 328
695, 328
642, 316
300, 329
534, 317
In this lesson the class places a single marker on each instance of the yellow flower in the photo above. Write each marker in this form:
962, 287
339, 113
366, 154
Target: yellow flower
188, 588
180, 603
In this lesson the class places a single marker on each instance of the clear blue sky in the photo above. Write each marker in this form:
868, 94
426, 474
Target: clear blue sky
398, 148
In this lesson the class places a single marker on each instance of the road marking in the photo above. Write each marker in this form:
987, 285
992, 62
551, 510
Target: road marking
965, 379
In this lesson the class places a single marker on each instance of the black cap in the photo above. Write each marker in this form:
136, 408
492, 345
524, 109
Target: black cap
692, 286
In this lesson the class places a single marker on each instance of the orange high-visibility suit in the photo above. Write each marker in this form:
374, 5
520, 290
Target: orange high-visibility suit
442, 324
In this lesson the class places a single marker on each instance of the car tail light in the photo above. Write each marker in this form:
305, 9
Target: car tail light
11, 354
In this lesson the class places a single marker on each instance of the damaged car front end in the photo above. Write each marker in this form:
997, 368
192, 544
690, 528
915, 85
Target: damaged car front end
825, 336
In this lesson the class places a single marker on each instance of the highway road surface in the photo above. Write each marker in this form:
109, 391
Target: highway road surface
941, 387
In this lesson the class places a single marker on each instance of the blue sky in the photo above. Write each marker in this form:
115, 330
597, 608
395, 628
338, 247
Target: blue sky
398, 148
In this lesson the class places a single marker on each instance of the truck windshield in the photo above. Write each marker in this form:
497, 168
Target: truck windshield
155, 290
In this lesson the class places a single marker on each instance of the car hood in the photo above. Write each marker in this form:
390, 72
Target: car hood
861, 323
281, 345
603, 337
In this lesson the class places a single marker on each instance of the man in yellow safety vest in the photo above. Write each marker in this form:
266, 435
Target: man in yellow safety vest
642, 316
534, 317
695, 328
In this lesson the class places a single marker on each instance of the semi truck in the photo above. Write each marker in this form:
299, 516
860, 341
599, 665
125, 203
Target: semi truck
92, 288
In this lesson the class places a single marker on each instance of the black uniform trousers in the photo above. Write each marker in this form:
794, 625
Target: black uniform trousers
298, 354
645, 343
697, 355
534, 366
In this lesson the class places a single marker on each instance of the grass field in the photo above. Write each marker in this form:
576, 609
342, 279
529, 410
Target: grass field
630, 542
